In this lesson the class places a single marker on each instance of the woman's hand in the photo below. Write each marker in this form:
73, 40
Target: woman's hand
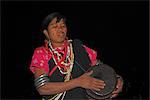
87, 82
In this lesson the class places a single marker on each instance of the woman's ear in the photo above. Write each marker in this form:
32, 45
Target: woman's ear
46, 34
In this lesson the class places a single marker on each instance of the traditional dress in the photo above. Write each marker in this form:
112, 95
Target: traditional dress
64, 63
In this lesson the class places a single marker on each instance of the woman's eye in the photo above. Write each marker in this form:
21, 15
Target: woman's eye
54, 26
63, 26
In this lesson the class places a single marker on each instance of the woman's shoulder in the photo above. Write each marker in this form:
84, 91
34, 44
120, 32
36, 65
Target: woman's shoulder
41, 49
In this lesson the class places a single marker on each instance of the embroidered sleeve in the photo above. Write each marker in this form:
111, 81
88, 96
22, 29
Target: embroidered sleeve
39, 60
92, 54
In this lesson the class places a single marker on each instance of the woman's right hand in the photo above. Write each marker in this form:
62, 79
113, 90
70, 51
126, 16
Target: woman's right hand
88, 82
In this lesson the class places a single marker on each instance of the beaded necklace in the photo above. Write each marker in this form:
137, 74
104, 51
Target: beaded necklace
66, 61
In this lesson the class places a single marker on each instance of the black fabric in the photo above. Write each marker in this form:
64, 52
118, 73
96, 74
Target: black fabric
56, 76
81, 64
81, 56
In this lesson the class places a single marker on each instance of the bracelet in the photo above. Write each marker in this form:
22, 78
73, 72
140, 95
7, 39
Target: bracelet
41, 80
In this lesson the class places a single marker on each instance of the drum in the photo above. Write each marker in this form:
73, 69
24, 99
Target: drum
108, 75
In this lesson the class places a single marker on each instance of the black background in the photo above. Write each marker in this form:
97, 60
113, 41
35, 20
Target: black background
118, 31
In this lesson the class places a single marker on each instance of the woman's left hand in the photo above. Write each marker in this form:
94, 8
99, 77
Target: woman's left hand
118, 88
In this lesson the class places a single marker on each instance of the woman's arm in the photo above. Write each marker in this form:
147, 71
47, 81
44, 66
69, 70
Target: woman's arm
84, 81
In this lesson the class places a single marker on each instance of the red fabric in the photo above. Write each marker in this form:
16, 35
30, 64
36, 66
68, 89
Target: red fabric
42, 55
40, 59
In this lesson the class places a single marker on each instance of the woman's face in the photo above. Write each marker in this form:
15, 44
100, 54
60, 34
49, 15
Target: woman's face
57, 31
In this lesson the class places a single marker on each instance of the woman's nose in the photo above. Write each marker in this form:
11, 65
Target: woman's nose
60, 28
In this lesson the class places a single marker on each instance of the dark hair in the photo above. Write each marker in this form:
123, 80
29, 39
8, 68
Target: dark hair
49, 18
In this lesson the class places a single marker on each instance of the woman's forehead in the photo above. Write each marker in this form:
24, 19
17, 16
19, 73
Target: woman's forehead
56, 20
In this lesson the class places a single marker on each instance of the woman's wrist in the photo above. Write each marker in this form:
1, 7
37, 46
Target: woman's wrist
76, 82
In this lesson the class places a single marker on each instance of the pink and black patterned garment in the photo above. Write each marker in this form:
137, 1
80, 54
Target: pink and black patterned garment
84, 58
42, 55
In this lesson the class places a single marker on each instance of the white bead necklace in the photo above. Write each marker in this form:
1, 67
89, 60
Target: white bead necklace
69, 57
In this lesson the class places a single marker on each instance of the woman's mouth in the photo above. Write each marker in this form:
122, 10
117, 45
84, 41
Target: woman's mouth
61, 34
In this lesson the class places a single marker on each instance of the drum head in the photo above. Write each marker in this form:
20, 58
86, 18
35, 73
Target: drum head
108, 75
